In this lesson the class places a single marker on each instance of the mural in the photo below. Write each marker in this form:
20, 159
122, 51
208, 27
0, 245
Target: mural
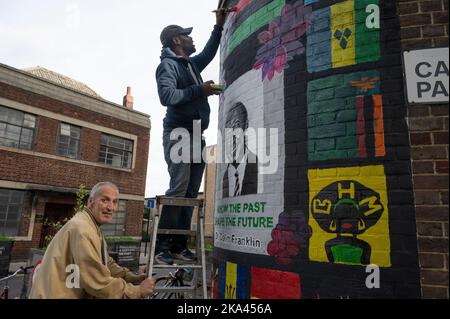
280, 32
349, 216
289, 237
327, 76
241, 175
259, 18
344, 34
283, 40
345, 117
274, 284
248, 200
233, 281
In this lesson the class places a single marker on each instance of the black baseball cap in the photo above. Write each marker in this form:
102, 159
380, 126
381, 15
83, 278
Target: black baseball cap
171, 31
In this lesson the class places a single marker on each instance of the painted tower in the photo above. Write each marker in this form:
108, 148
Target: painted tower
314, 190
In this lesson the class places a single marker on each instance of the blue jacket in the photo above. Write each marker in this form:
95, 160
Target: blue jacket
178, 90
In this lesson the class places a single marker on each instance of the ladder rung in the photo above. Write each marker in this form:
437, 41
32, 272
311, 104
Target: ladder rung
177, 232
179, 201
174, 289
193, 266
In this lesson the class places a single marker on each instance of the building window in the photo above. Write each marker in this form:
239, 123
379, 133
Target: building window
16, 128
117, 226
11, 205
69, 140
116, 151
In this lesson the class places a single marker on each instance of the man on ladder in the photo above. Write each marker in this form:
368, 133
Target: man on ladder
182, 90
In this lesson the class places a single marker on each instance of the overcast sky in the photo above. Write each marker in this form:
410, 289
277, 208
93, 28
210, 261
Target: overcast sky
108, 45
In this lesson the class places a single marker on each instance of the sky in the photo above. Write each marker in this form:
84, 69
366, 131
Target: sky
109, 45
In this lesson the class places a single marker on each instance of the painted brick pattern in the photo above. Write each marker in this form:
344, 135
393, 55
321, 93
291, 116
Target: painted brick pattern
340, 36
336, 129
350, 139
257, 20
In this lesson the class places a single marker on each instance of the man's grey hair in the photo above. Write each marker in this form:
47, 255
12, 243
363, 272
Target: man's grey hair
97, 187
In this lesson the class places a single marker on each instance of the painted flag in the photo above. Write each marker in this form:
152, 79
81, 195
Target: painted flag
275, 284
267, 10
233, 279
345, 117
344, 34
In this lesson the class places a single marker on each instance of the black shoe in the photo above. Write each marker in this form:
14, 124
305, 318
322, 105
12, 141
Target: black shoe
164, 258
185, 255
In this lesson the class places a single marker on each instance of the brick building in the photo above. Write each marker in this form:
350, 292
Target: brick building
361, 172
424, 24
56, 134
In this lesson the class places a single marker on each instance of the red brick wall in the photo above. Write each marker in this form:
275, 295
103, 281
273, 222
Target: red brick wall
89, 151
16, 167
135, 213
45, 138
21, 249
38, 170
425, 25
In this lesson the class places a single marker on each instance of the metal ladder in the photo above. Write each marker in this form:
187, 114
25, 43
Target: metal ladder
200, 265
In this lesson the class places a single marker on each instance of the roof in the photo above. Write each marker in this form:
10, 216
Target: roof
62, 80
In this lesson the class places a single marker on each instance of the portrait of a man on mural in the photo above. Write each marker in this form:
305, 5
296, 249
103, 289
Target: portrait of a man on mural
241, 175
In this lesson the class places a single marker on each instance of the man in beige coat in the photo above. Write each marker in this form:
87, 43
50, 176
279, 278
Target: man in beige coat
76, 264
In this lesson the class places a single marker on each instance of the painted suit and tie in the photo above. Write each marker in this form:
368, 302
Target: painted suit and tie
241, 175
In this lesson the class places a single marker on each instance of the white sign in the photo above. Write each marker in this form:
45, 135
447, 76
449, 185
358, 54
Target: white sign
427, 74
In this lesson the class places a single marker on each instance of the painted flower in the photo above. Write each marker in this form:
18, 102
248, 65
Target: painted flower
272, 56
289, 237
282, 41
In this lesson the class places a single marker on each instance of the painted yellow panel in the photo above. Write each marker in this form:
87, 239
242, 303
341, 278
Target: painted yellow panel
376, 236
231, 281
343, 33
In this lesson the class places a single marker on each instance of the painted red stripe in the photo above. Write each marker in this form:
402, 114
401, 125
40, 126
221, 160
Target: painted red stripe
361, 128
378, 124
275, 284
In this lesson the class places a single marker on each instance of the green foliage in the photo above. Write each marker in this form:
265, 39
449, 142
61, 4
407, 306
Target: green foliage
3, 238
121, 239
81, 198
56, 226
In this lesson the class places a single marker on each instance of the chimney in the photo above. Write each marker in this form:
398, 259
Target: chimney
128, 99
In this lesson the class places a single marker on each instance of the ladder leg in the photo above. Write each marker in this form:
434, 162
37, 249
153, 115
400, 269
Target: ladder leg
151, 259
202, 250
199, 273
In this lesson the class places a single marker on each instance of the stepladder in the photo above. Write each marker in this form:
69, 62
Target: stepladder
198, 286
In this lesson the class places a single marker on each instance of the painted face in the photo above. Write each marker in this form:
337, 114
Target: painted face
346, 207
348, 218
235, 143
104, 205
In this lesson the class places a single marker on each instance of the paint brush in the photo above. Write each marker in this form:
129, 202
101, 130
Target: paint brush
234, 9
